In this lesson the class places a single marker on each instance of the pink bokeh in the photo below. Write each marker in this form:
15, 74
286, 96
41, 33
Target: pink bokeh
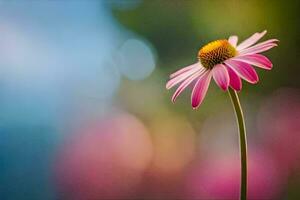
104, 160
218, 177
279, 127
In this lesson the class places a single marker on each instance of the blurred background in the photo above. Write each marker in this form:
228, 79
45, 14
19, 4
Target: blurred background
84, 113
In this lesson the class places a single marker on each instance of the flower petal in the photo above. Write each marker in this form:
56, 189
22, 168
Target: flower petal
184, 69
256, 60
200, 89
251, 40
182, 77
260, 47
235, 80
244, 70
233, 40
185, 83
266, 42
221, 76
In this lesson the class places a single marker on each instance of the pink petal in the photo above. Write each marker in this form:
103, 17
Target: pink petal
233, 40
265, 42
184, 69
256, 60
185, 83
260, 47
182, 77
200, 89
251, 40
221, 76
235, 81
244, 70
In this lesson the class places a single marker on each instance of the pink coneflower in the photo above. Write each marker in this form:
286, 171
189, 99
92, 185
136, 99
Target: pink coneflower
226, 62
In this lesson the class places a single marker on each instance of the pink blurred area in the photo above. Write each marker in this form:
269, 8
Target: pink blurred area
104, 160
218, 177
123, 156
118, 158
279, 125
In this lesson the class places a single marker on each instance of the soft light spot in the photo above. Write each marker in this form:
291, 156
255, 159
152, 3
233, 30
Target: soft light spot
135, 59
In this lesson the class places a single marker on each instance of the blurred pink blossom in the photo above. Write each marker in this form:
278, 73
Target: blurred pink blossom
279, 126
104, 160
219, 177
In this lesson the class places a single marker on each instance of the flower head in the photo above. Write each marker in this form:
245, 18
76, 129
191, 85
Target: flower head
226, 62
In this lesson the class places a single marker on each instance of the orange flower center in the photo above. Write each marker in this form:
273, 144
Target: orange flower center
216, 52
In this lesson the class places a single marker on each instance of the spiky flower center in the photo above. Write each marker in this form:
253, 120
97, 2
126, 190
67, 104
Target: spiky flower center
215, 53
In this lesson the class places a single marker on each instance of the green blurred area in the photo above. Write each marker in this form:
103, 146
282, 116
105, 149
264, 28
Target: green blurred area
177, 29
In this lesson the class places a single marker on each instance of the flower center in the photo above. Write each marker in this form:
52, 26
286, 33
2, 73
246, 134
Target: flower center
215, 53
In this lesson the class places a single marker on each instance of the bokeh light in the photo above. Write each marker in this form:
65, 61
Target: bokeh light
84, 113
218, 177
282, 110
135, 59
104, 160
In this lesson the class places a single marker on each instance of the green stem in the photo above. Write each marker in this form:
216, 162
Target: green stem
243, 141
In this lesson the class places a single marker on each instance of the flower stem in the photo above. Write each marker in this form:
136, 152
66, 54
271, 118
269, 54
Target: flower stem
243, 141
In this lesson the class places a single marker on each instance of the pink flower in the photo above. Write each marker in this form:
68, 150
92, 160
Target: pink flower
226, 62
